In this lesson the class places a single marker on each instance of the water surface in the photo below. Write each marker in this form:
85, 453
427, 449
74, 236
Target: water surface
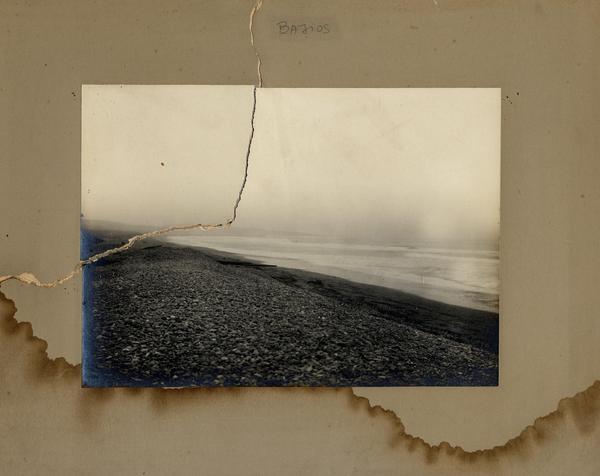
464, 277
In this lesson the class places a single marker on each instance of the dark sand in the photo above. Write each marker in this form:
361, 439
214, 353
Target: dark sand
172, 316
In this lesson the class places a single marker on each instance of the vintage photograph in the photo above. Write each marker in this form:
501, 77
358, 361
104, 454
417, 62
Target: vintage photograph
243, 236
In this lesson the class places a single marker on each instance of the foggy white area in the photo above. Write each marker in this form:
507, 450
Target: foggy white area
162, 155
376, 164
394, 187
365, 165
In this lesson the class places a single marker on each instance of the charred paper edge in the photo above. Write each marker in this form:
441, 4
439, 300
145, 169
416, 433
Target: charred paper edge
582, 408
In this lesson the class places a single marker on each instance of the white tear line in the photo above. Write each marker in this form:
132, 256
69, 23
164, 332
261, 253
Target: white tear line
29, 278
253, 12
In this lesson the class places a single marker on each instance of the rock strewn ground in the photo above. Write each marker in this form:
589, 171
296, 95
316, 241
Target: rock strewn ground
175, 316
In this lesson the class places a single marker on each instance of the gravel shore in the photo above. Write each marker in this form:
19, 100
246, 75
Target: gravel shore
175, 316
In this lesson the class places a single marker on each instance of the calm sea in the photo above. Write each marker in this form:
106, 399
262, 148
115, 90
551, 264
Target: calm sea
465, 277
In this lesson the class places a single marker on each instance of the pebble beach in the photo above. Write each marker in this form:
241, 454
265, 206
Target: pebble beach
167, 315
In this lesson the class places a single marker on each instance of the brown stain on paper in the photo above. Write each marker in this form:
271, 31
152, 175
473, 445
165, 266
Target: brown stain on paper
28, 374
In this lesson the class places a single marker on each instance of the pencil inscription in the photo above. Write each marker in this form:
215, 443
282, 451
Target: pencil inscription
291, 29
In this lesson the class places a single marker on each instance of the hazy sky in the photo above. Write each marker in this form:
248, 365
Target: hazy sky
385, 164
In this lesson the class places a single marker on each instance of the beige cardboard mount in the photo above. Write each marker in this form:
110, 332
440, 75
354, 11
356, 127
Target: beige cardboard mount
544, 57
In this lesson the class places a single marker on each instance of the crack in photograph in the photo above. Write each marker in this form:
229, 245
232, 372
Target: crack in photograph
345, 237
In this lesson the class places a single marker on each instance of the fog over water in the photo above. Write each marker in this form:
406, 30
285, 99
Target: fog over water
361, 165
393, 187
464, 277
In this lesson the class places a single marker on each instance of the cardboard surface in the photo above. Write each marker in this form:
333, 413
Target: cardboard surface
542, 55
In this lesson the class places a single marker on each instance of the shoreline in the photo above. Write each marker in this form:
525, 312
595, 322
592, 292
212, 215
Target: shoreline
163, 314
475, 327
419, 282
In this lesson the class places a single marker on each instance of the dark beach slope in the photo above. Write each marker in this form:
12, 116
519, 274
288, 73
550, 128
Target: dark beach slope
469, 326
173, 316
